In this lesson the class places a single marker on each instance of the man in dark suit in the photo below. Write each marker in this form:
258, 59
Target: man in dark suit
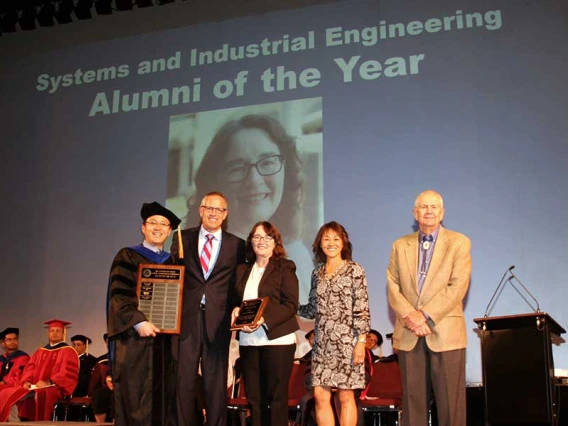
211, 256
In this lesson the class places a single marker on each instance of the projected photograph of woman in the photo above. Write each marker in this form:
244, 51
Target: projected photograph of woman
266, 159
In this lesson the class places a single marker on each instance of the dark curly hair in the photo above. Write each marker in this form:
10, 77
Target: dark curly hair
271, 230
346, 251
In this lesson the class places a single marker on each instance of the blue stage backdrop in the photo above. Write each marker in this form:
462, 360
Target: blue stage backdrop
394, 96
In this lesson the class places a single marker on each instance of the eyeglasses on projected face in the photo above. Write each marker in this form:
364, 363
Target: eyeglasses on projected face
267, 166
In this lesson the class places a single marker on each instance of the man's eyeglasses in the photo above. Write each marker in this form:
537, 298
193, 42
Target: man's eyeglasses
259, 238
218, 210
155, 223
267, 166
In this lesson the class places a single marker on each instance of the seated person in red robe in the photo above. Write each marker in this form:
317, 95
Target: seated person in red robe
103, 394
50, 374
12, 361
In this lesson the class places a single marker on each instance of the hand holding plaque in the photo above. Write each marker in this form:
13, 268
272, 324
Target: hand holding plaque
249, 314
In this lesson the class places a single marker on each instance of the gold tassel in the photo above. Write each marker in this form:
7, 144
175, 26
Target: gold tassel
180, 252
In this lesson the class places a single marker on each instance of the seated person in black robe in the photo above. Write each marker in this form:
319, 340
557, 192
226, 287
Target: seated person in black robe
86, 363
100, 388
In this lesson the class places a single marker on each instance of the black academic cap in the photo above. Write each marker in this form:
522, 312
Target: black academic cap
9, 330
154, 208
105, 337
81, 338
389, 336
309, 334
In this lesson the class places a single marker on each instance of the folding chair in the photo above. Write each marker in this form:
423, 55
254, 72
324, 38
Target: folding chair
296, 389
74, 409
237, 402
385, 392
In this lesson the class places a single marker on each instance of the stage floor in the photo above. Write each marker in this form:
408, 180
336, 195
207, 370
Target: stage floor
47, 422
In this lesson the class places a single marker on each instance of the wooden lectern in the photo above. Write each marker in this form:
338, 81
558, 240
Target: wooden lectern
518, 369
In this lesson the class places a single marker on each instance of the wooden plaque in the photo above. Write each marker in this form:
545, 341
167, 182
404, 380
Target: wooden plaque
250, 313
160, 289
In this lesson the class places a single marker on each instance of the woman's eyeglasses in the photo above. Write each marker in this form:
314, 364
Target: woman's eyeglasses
259, 238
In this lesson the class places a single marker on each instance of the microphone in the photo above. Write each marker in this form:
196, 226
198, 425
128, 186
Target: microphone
526, 290
508, 270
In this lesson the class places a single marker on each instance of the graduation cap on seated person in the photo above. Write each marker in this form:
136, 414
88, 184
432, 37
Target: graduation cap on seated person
378, 335
9, 330
81, 338
57, 323
86, 341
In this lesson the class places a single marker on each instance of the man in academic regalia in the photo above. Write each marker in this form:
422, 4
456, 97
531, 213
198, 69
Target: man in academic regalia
13, 360
101, 387
141, 358
104, 357
50, 374
100, 371
87, 363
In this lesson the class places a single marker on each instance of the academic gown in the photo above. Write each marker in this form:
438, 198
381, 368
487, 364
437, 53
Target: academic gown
142, 367
12, 367
99, 374
87, 363
98, 390
58, 363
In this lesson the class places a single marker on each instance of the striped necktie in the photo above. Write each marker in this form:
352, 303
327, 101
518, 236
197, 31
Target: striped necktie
205, 258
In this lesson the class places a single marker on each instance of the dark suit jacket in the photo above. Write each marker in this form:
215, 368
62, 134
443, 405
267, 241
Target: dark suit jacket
280, 284
219, 289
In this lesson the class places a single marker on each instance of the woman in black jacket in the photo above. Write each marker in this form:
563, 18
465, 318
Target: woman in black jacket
267, 348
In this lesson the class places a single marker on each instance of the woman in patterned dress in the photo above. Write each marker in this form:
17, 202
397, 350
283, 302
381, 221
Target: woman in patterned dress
339, 303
